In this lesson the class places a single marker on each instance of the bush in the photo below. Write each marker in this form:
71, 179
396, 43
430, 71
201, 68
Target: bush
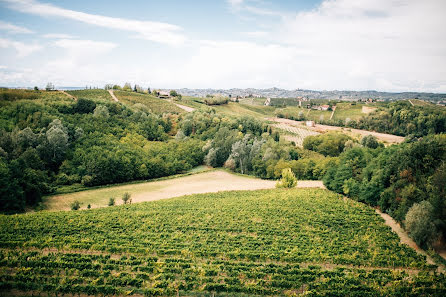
126, 197
419, 224
87, 180
216, 101
288, 179
75, 205
111, 201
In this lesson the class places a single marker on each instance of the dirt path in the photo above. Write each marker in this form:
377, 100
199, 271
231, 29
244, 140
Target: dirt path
69, 95
411, 103
405, 239
332, 113
310, 184
113, 95
184, 107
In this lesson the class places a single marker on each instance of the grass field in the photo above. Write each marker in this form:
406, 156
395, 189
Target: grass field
347, 110
265, 242
156, 105
98, 94
202, 182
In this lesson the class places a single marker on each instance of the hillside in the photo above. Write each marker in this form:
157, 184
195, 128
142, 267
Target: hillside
267, 242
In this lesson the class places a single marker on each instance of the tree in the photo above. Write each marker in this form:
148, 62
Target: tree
101, 111
111, 201
370, 141
49, 87
173, 93
288, 179
126, 197
84, 106
127, 87
419, 223
36, 88
75, 205
148, 90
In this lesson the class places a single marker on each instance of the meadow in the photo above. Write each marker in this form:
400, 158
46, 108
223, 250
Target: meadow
265, 242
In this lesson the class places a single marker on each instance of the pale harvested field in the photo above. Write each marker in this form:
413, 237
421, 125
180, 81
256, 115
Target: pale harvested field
206, 182
387, 138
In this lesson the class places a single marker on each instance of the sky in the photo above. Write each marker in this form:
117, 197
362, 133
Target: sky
384, 45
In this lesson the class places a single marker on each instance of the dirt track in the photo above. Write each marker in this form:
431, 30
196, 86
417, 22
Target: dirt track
184, 107
405, 239
113, 95
69, 95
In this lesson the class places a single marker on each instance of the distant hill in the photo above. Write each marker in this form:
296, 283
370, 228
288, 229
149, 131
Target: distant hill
311, 94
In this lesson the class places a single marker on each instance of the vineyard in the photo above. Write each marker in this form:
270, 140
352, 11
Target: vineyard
93, 94
245, 243
155, 105
297, 134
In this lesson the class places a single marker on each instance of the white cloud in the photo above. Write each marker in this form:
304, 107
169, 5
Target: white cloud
22, 49
11, 28
57, 36
153, 31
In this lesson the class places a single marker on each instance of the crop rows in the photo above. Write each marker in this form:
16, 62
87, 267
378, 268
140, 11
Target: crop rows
268, 242
299, 134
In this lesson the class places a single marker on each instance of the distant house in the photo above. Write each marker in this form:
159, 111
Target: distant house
164, 95
267, 102
324, 107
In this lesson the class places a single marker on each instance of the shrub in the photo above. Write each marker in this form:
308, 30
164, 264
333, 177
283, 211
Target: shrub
419, 223
75, 205
111, 201
87, 180
288, 179
126, 197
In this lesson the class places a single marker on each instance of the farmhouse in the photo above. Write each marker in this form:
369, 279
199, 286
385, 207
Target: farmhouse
324, 107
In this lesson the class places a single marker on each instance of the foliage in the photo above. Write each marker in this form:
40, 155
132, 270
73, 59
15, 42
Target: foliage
288, 179
216, 100
126, 198
111, 201
75, 205
395, 178
328, 144
266, 242
419, 223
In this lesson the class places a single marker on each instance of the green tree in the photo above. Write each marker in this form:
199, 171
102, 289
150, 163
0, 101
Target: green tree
75, 205
173, 93
420, 224
288, 179
111, 201
126, 197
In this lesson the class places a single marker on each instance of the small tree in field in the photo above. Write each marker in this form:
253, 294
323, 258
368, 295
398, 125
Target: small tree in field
125, 197
75, 205
288, 179
111, 201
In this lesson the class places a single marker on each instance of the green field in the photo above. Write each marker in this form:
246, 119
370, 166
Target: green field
267, 242
154, 104
98, 94
348, 110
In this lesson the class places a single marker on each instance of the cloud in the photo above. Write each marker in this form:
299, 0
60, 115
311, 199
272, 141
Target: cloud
57, 36
10, 28
154, 31
22, 49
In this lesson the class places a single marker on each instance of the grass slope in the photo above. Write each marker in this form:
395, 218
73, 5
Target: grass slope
266, 242
156, 105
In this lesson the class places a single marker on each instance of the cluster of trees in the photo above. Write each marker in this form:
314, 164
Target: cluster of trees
44, 146
403, 180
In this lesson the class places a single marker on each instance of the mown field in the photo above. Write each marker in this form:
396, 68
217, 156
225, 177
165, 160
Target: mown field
266, 242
